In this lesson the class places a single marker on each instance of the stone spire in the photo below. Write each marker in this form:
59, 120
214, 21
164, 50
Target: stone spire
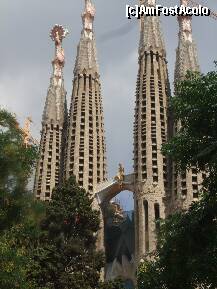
86, 52
150, 32
55, 101
186, 53
150, 132
185, 185
53, 123
85, 151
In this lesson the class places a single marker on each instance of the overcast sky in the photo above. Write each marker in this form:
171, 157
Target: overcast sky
27, 51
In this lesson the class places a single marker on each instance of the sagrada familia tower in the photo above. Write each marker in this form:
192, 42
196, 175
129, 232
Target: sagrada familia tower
74, 143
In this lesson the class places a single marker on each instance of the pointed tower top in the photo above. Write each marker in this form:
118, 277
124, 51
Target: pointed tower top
184, 2
55, 102
86, 55
186, 53
150, 2
89, 8
151, 38
88, 17
185, 24
57, 34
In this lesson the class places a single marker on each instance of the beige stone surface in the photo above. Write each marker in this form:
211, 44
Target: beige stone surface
85, 153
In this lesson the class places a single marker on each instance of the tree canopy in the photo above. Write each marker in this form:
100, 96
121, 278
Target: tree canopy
16, 166
18, 213
186, 255
44, 245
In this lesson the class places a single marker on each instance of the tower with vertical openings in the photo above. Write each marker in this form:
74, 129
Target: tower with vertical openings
150, 132
75, 145
54, 120
85, 150
150, 181
185, 185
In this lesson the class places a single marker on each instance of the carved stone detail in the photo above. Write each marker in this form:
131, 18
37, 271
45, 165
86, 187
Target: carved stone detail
53, 124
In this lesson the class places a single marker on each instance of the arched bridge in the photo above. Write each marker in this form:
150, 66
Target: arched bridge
108, 190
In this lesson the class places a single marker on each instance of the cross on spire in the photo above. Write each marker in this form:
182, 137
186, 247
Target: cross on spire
57, 34
185, 23
88, 16
149, 2
184, 2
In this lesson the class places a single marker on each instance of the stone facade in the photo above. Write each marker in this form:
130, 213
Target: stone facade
157, 187
151, 168
185, 185
85, 149
50, 162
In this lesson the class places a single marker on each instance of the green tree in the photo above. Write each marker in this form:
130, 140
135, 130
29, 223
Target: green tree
16, 165
15, 256
195, 105
17, 209
115, 284
38, 251
67, 256
186, 256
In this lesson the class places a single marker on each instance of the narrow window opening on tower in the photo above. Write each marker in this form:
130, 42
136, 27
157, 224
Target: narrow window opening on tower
195, 187
161, 116
194, 171
184, 192
90, 187
155, 179
90, 82
183, 184
203, 175
155, 171
47, 195
152, 64
183, 175
145, 205
85, 82
195, 195
145, 63
158, 73
194, 179
157, 216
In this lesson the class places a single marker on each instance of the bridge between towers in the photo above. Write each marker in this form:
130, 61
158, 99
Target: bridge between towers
107, 190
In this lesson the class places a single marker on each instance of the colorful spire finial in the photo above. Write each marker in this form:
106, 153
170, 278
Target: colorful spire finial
150, 2
184, 2
57, 34
185, 24
88, 18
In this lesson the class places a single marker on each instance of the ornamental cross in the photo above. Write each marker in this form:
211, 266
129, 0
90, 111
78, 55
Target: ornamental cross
57, 34
88, 17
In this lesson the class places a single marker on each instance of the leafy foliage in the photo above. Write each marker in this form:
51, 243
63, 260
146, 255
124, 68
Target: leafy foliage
195, 106
187, 251
16, 164
186, 256
43, 245
66, 256
18, 212
115, 284
15, 255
